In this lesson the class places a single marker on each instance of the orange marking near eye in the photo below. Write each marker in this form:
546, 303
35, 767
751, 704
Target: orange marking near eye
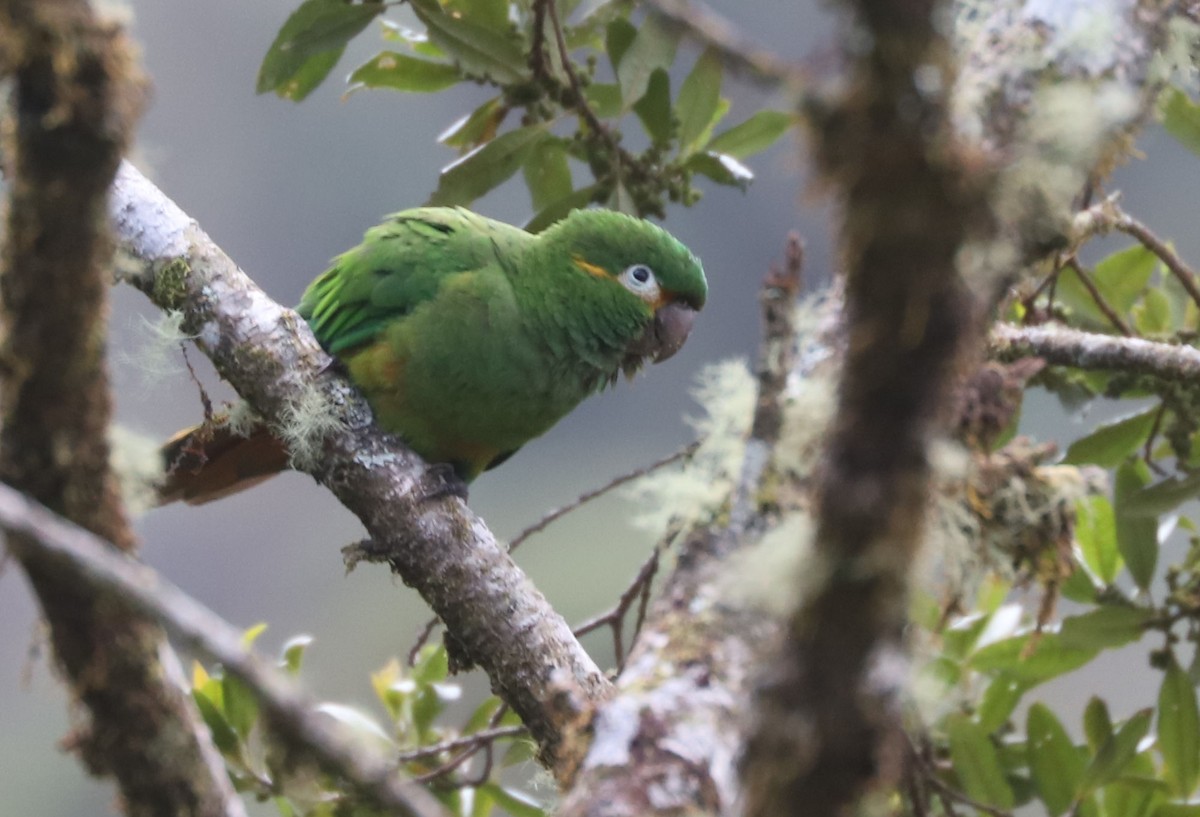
591, 269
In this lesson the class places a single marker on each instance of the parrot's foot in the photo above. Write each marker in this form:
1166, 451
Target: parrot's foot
441, 480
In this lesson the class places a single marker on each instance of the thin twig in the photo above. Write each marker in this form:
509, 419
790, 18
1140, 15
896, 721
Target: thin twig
472, 749
205, 400
580, 102
290, 713
539, 65
614, 618
1106, 216
616, 482
422, 639
1085, 278
1177, 266
1148, 448
931, 777
454, 744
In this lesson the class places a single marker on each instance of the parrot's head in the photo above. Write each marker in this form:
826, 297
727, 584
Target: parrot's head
645, 278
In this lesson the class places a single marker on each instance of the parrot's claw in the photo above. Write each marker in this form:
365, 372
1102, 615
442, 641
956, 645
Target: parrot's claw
441, 480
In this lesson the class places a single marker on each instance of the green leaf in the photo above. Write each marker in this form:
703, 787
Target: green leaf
721, 168
1113, 440
482, 715
1137, 535
485, 167
241, 707
557, 210
482, 803
1056, 765
1097, 724
1137, 793
1117, 752
223, 734
652, 48
309, 45
1096, 533
1121, 278
1181, 118
961, 636
1080, 587
477, 127
517, 803
251, 634
519, 751
433, 665
757, 133
479, 50
1106, 627
1179, 730
1049, 659
621, 201
697, 104
977, 763
654, 108
1177, 810
604, 98
427, 705
618, 36
401, 72
999, 700
1163, 497
293, 652
1153, 315
491, 14
547, 174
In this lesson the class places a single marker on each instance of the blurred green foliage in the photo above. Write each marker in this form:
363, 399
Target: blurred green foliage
997, 748
565, 86
408, 725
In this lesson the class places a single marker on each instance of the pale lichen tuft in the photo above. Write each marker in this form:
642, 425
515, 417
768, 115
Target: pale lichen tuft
138, 464
304, 424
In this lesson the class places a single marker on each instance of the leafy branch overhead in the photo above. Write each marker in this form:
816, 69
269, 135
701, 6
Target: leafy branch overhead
564, 83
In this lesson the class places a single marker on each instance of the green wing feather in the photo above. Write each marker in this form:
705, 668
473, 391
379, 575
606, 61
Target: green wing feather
401, 264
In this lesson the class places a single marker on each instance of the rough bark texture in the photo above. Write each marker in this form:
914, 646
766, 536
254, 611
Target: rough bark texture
495, 615
76, 94
826, 713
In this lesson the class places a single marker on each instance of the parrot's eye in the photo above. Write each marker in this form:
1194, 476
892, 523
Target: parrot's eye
639, 279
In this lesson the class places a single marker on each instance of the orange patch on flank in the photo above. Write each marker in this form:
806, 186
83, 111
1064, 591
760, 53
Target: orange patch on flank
377, 365
591, 269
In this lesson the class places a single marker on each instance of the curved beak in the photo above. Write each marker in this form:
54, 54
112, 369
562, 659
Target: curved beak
666, 333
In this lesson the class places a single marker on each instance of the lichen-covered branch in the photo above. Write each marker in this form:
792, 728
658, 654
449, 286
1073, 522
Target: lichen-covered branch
75, 97
1064, 346
92, 564
496, 617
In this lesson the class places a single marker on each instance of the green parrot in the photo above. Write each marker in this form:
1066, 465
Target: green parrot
470, 337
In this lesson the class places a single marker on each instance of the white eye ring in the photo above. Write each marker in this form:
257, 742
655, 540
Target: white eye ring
639, 279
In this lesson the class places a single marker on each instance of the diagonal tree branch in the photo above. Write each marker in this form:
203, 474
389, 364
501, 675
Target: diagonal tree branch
495, 616
77, 93
92, 563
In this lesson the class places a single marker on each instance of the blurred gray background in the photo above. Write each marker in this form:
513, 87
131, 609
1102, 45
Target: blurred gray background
283, 187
